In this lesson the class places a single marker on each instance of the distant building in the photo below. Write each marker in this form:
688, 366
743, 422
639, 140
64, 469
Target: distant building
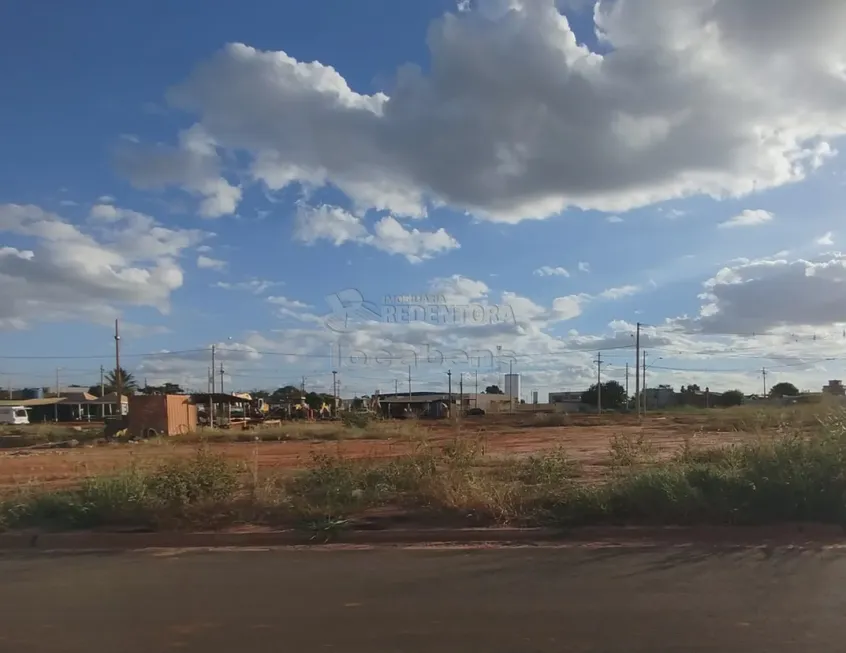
565, 397
834, 387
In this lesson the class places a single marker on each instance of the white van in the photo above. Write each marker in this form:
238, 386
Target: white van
13, 415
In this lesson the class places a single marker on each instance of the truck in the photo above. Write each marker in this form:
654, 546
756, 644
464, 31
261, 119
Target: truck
13, 415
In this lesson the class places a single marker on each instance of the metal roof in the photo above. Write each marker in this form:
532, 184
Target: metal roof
30, 403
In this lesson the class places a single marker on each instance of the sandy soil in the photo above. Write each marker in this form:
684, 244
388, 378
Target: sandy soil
586, 442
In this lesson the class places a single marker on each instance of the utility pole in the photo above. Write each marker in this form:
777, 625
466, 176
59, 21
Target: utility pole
211, 394
118, 375
409, 387
644, 382
449, 390
102, 385
396, 387
476, 396
221, 377
637, 369
511, 389
302, 386
599, 382
334, 392
627, 387
764, 374
58, 394
460, 394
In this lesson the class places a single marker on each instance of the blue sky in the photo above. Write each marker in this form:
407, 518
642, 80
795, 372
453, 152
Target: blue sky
206, 193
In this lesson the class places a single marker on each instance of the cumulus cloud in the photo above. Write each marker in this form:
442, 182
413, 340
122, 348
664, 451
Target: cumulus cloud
747, 218
66, 273
514, 118
548, 271
620, 292
826, 240
338, 226
761, 295
194, 164
254, 286
584, 266
284, 302
614, 219
209, 263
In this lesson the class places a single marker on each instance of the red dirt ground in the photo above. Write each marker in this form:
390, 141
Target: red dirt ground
586, 442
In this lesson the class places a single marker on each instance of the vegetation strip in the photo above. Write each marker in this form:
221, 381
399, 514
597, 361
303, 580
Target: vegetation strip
786, 478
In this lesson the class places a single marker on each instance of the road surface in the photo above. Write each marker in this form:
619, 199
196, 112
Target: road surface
511, 600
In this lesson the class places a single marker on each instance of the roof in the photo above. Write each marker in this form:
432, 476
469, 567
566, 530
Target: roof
30, 403
218, 398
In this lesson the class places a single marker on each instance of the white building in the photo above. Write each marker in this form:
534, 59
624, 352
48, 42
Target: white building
512, 387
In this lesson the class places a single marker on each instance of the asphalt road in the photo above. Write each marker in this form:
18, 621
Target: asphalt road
520, 600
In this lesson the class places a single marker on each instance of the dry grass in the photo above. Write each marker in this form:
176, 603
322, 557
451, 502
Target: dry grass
780, 477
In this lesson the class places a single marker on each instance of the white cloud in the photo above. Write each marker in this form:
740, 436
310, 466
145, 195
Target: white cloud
513, 118
825, 240
416, 245
66, 273
104, 212
67, 203
747, 218
106, 199
204, 249
765, 294
338, 226
330, 223
194, 165
548, 271
284, 302
584, 267
208, 263
614, 219
254, 286
458, 289
620, 292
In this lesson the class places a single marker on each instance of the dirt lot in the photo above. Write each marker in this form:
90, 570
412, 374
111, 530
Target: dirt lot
586, 439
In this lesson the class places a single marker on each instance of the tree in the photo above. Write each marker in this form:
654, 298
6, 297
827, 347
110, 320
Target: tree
784, 389
493, 390
286, 394
128, 383
731, 398
164, 389
613, 395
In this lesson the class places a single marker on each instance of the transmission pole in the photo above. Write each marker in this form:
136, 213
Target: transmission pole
118, 375
334, 392
644, 382
460, 394
599, 382
637, 369
764, 375
213, 385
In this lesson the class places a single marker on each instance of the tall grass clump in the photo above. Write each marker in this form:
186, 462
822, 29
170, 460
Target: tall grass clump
179, 492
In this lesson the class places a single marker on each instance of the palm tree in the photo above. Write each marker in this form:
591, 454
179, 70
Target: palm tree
128, 383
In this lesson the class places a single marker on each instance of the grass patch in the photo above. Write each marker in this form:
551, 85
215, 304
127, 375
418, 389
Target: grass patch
783, 478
